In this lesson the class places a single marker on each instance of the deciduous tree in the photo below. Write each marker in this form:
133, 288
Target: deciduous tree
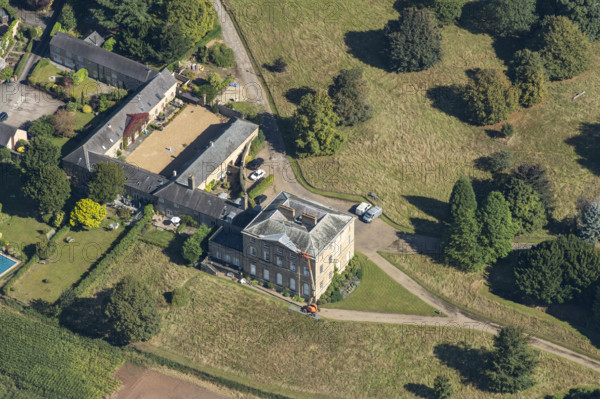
107, 182
64, 123
87, 213
132, 311
315, 125
195, 17
511, 17
512, 363
196, 244
489, 97
413, 41
527, 209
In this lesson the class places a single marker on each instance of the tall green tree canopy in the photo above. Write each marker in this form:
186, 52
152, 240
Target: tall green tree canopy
414, 41
196, 244
497, 227
585, 13
530, 77
536, 176
448, 11
349, 94
40, 153
557, 271
512, 363
132, 311
565, 50
194, 17
107, 182
511, 17
489, 97
42, 127
315, 125
49, 186
67, 17
462, 198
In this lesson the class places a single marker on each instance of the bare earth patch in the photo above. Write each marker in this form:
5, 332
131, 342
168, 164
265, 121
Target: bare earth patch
148, 384
185, 132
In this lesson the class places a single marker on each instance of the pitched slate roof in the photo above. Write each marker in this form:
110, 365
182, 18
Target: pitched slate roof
95, 38
6, 133
272, 225
230, 240
202, 166
98, 55
111, 131
198, 200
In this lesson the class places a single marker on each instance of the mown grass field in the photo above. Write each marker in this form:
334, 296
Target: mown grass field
235, 332
378, 292
416, 146
472, 292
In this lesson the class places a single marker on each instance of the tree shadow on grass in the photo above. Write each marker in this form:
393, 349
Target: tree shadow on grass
506, 47
295, 95
448, 99
86, 316
472, 17
587, 146
431, 206
368, 47
469, 362
420, 390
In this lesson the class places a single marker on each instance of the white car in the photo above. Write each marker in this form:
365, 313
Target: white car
257, 174
362, 208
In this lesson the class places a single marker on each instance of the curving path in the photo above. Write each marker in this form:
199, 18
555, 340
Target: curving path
369, 238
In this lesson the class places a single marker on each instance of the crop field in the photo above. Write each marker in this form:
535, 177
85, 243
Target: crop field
472, 292
232, 331
47, 362
416, 145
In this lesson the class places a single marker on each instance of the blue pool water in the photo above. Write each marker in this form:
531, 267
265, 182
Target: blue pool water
5, 263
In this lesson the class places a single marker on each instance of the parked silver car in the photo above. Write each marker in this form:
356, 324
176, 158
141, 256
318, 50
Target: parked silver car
372, 214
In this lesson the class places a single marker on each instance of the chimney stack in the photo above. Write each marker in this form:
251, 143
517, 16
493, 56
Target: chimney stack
174, 174
288, 212
309, 221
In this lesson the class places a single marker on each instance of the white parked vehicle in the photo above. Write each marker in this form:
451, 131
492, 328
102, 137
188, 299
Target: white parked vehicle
257, 174
372, 214
362, 208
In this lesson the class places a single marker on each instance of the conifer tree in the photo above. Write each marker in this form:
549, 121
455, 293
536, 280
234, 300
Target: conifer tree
497, 227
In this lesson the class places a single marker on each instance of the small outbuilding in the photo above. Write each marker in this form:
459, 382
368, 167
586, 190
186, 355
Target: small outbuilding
10, 136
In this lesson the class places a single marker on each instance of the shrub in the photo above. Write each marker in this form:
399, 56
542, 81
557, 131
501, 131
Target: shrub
7, 73
588, 224
500, 161
270, 286
279, 65
195, 246
507, 130
58, 219
179, 297
190, 221
448, 11
87, 109
80, 76
87, 213
221, 55
44, 250
261, 186
442, 388
413, 41
489, 97
42, 127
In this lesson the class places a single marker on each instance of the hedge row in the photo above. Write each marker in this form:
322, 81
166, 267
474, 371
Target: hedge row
103, 267
260, 188
32, 261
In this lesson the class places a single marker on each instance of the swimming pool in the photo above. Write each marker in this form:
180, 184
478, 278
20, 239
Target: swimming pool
6, 264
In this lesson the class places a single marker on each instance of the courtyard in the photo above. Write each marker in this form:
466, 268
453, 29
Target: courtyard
24, 103
164, 151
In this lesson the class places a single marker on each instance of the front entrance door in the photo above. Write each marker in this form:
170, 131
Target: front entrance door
169, 213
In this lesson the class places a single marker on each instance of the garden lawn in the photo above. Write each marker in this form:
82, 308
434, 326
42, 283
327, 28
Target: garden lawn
471, 292
416, 145
233, 331
161, 238
83, 119
378, 292
43, 74
48, 281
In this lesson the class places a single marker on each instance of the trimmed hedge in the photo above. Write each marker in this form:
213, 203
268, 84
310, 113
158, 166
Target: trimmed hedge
260, 188
32, 261
103, 267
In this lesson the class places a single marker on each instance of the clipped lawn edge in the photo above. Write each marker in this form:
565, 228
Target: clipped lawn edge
479, 316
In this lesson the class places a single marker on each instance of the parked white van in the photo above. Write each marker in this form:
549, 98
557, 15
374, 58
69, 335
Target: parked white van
362, 208
372, 214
